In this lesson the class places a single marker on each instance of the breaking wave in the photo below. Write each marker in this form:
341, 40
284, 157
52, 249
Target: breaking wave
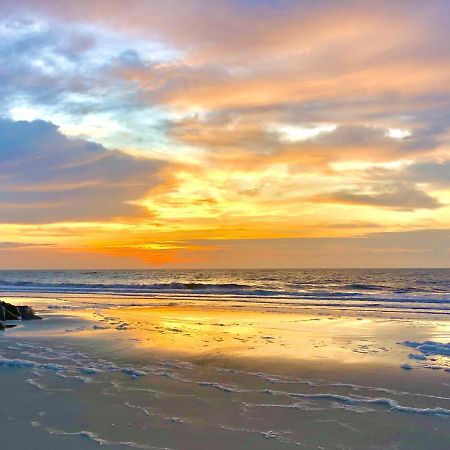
427, 289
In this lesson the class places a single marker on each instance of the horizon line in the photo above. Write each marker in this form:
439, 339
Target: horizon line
227, 268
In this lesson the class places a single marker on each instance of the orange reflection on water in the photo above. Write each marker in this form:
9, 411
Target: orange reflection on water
233, 332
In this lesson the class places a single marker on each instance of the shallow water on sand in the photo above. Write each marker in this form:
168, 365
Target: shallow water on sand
194, 375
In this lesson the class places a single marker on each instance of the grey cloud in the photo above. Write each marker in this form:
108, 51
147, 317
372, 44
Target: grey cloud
222, 132
425, 116
395, 195
410, 240
68, 52
417, 248
396, 189
433, 172
63, 68
46, 177
373, 141
41, 63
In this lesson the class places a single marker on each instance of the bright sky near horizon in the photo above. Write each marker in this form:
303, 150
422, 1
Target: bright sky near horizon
232, 133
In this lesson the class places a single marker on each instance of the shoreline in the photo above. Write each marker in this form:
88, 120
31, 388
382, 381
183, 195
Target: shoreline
162, 368
198, 328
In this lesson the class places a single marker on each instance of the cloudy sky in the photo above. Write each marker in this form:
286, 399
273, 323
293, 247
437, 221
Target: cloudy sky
232, 133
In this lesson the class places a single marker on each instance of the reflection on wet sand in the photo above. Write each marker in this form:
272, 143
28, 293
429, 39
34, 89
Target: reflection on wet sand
241, 377
260, 333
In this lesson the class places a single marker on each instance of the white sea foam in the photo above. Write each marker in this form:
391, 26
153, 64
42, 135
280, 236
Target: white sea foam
393, 404
83, 379
16, 362
48, 359
299, 406
221, 387
149, 412
44, 388
417, 356
430, 347
134, 372
97, 439
36, 384
89, 370
430, 351
281, 436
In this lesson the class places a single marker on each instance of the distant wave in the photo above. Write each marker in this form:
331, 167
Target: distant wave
154, 287
368, 288
365, 287
223, 289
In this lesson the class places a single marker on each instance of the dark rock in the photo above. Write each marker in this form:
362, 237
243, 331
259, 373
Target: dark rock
27, 313
8, 312
12, 312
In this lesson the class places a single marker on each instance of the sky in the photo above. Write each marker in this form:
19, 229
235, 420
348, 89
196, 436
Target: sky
220, 134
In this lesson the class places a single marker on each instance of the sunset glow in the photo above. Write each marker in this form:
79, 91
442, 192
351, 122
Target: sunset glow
224, 134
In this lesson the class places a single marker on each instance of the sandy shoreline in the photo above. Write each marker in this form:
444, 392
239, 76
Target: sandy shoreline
202, 376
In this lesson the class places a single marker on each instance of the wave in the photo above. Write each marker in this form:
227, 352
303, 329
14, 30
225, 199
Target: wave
365, 287
394, 287
94, 437
392, 404
174, 286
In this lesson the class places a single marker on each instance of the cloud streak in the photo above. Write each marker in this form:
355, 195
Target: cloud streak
397, 196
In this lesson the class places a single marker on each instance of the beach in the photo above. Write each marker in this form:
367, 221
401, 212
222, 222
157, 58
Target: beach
225, 225
127, 372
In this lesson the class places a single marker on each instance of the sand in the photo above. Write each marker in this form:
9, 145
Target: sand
199, 376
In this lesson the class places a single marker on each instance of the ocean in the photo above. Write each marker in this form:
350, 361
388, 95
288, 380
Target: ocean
426, 290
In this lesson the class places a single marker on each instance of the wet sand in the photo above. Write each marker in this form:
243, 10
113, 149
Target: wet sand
201, 376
